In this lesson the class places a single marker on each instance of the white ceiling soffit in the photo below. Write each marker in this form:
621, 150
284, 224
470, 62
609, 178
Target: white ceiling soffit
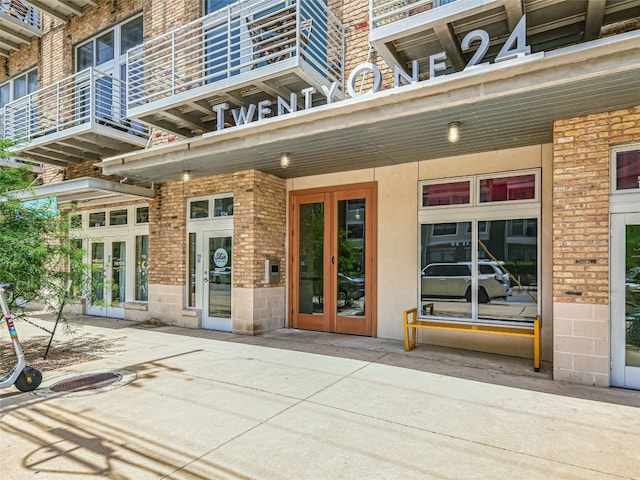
87, 191
62, 10
508, 105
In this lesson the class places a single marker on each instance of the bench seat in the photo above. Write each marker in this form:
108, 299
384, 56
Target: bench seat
526, 330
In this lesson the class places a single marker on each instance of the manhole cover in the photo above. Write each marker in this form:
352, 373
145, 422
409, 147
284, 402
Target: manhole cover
86, 382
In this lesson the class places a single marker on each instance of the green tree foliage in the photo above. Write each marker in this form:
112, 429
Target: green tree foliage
36, 253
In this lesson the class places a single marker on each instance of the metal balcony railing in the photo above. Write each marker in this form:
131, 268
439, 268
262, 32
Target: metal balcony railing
241, 39
22, 12
384, 12
87, 98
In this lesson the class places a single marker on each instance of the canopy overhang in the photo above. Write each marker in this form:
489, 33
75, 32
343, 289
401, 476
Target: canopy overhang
499, 106
87, 191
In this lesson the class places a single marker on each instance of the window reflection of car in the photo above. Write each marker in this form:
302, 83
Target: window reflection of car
453, 280
352, 288
220, 275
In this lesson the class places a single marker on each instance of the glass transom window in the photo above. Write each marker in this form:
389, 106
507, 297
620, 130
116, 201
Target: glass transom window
627, 170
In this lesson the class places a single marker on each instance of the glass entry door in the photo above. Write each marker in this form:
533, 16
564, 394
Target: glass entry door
333, 279
217, 281
108, 259
625, 300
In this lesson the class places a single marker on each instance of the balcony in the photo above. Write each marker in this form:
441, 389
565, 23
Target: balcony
19, 24
251, 51
79, 118
403, 31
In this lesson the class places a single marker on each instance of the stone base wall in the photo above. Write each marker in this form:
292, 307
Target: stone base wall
258, 310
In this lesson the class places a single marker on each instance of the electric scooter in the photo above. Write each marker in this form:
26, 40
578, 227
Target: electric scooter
24, 377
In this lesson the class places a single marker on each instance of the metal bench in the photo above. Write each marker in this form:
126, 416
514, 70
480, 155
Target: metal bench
526, 330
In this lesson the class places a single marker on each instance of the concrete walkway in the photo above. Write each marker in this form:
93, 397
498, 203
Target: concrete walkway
305, 405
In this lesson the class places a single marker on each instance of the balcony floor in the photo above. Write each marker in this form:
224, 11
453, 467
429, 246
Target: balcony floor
188, 112
80, 143
416, 34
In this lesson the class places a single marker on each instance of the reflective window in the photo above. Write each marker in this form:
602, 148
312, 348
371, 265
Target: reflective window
142, 215
75, 221
451, 193
118, 271
130, 34
501, 285
18, 87
191, 257
118, 217
84, 56
142, 268
628, 170
223, 207
211, 6
104, 48
97, 219
199, 209
107, 50
521, 187
632, 295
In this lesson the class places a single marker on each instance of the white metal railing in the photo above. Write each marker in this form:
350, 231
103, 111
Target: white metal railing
384, 12
244, 37
88, 97
22, 12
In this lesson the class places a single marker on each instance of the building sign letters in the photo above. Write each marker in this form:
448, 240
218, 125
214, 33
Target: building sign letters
515, 47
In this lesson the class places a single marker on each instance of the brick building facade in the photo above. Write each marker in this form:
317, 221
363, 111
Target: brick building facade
186, 112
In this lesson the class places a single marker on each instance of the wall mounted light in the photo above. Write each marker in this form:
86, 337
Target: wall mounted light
285, 160
186, 176
453, 134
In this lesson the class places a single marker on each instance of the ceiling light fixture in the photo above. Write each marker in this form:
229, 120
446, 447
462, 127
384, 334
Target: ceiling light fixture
453, 134
285, 160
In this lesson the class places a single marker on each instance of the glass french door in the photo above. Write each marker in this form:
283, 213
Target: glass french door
333, 278
625, 300
217, 281
108, 259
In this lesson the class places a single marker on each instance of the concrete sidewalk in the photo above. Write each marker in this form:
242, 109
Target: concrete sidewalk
194, 404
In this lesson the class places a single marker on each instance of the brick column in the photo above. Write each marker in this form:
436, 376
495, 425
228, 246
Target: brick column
581, 166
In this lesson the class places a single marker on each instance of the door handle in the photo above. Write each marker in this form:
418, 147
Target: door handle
205, 279
333, 260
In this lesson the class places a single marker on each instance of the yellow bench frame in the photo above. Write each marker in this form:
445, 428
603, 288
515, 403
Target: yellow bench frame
412, 324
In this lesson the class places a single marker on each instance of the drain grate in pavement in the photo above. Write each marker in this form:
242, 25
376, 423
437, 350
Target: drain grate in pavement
86, 382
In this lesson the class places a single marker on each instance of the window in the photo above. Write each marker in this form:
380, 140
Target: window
14, 89
479, 260
97, 219
627, 170
450, 193
117, 217
130, 35
202, 208
199, 209
108, 50
502, 189
142, 215
517, 187
75, 221
223, 207
142, 268
211, 6
18, 87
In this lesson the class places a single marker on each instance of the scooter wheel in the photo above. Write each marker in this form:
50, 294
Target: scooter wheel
28, 380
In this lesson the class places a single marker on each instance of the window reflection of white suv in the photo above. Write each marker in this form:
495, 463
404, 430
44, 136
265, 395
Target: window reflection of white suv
453, 280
